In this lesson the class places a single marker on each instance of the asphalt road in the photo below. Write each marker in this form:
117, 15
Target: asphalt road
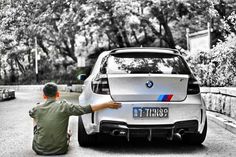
16, 136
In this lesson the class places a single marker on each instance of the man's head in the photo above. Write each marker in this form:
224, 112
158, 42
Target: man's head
50, 90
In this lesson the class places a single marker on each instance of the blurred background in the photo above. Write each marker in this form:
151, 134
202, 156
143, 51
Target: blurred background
56, 40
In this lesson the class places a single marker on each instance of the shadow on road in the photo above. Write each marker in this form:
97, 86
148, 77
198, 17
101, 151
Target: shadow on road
142, 146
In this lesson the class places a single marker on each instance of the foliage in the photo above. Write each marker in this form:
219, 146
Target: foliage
218, 67
224, 54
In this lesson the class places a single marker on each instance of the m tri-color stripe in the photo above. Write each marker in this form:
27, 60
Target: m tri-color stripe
165, 97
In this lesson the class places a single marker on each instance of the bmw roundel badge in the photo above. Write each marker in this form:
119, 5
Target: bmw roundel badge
149, 84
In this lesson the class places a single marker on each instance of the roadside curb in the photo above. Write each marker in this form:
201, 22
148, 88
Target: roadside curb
223, 121
61, 87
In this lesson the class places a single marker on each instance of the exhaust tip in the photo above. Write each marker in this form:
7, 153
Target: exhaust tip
115, 132
177, 136
181, 132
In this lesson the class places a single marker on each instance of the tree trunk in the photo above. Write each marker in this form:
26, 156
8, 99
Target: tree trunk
155, 32
12, 74
109, 44
119, 39
110, 40
135, 37
145, 32
70, 52
40, 43
117, 34
160, 30
21, 67
169, 36
124, 34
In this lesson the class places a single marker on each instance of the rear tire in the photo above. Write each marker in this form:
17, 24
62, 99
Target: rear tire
197, 138
84, 139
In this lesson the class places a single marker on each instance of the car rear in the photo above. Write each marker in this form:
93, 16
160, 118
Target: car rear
159, 95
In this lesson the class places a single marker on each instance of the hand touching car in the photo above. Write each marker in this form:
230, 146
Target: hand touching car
113, 105
110, 104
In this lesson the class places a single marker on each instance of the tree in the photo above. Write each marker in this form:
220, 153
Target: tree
53, 23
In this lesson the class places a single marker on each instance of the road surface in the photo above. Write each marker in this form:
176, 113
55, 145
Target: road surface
16, 136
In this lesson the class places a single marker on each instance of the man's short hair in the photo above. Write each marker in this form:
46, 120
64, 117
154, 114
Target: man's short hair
50, 89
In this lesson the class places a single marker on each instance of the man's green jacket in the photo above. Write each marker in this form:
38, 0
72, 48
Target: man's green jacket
50, 132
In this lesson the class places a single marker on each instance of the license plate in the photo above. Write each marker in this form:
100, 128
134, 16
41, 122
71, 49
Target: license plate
150, 112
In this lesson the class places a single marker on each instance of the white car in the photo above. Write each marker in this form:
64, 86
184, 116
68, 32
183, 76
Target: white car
160, 97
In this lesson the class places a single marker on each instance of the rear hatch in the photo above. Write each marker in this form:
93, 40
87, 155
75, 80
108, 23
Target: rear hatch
147, 77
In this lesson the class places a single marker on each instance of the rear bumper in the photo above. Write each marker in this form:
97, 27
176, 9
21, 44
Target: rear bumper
122, 129
192, 109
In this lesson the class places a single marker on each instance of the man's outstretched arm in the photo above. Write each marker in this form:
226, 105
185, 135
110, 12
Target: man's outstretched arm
111, 104
80, 110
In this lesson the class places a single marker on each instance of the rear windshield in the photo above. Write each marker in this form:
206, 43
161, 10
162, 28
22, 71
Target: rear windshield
135, 63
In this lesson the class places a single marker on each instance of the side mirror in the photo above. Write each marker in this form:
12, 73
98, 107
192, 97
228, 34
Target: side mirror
81, 77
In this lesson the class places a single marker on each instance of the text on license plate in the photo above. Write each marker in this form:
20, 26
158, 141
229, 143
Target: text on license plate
150, 112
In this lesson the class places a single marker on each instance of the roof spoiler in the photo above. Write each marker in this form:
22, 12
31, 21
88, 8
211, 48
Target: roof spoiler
145, 49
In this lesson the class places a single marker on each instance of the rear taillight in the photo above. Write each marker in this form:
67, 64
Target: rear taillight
100, 84
193, 86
